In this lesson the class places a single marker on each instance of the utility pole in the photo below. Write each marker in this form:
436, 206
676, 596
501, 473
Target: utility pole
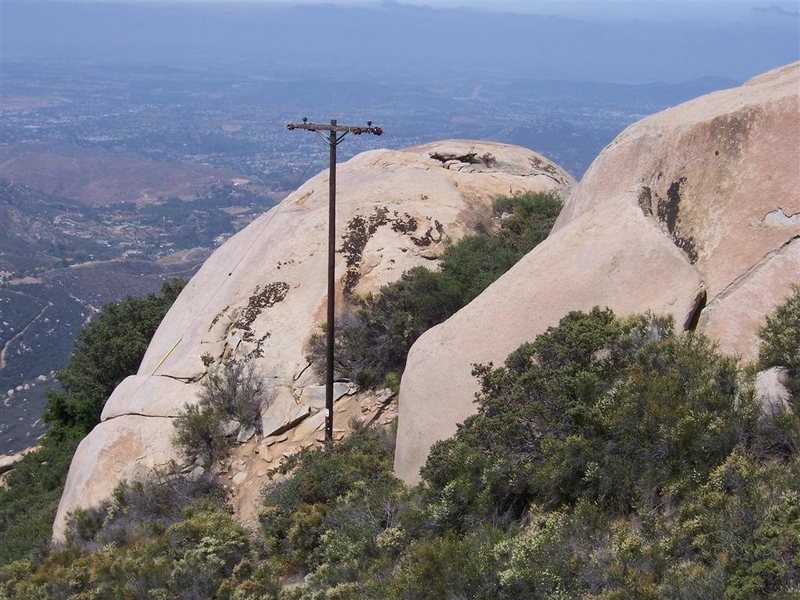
336, 134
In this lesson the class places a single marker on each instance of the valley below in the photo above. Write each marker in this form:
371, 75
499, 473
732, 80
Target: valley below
62, 260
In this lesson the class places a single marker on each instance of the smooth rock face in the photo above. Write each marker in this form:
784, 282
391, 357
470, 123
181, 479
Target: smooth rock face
262, 294
734, 317
705, 195
721, 176
121, 448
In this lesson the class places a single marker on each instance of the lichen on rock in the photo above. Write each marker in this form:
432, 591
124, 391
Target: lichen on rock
261, 299
666, 212
360, 230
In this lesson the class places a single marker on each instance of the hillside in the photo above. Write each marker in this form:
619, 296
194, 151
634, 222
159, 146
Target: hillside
96, 177
61, 261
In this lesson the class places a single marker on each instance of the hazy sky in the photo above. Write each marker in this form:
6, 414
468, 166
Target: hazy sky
707, 10
631, 9
613, 40
686, 10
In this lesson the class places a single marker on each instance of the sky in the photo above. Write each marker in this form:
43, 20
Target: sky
606, 10
648, 10
621, 41
685, 10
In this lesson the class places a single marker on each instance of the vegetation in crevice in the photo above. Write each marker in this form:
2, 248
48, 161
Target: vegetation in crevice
231, 401
373, 341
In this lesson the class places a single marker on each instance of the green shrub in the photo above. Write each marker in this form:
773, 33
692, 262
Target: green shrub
198, 433
298, 510
232, 392
139, 508
375, 341
597, 408
195, 554
780, 339
235, 391
392, 381
448, 566
532, 215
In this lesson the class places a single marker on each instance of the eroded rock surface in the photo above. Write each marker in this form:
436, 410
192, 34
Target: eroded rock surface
693, 212
262, 294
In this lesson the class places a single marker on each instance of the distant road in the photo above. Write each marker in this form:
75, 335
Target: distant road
21, 333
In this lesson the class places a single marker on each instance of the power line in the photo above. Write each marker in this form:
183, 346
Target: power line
336, 133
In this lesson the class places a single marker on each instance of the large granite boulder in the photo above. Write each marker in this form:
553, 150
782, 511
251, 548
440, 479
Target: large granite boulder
693, 212
720, 175
262, 294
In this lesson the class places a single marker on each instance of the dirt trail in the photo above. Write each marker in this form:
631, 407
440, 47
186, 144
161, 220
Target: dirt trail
21, 333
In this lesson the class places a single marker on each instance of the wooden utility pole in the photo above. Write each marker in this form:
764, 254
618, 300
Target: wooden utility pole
336, 134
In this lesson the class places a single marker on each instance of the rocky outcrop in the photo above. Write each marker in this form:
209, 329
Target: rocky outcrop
720, 176
262, 294
693, 212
